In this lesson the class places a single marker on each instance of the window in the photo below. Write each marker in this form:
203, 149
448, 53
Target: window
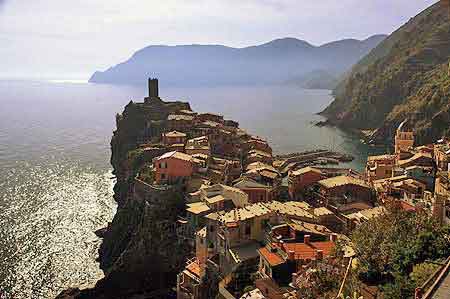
163, 176
248, 229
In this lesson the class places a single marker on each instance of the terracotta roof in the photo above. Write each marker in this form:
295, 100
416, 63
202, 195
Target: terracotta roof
406, 206
367, 214
245, 182
212, 216
200, 156
415, 157
175, 134
322, 211
381, 157
260, 165
188, 112
259, 153
289, 208
357, 205
215, 199
272, 258
300, 204
210, 114
194, 268
341, 181
268, 174
302, 226
176, 155
202, 232
197, 208
209, 123
241, 214
306, 170
391, 179
180, 117
304, 251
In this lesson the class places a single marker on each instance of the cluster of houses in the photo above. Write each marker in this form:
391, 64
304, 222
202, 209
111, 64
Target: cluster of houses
250, 226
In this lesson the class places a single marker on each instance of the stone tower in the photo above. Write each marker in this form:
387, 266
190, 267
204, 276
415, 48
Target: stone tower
404, 137
153, 90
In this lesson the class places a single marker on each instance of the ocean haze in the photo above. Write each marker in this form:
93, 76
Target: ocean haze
50, 39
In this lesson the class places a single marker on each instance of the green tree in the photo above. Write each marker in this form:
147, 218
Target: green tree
421, 272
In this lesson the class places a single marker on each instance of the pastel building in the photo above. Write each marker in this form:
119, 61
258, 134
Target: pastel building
174, 137
173, 167
302, 178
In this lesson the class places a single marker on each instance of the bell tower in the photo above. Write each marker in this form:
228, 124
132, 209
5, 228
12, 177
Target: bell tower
404, 137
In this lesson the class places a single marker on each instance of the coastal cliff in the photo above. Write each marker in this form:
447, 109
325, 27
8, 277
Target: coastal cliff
405, 76
140, 254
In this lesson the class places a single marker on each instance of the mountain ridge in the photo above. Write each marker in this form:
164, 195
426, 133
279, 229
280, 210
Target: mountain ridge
276, 61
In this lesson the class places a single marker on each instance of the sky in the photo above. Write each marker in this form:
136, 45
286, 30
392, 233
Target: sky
62, 39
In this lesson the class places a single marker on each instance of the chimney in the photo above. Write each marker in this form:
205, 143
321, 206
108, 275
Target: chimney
319, 255
333, 237
291, 255
153, 90
306, 239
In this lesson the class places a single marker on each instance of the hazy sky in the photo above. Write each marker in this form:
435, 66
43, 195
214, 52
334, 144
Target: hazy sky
62, 39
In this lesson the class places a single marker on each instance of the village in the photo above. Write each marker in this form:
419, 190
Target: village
259, 224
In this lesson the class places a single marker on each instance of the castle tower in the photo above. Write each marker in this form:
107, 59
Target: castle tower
153, 90
404, 137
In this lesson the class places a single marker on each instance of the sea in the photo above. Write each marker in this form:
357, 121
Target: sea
55, 176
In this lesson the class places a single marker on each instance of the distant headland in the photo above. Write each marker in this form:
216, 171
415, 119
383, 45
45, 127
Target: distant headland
280, 61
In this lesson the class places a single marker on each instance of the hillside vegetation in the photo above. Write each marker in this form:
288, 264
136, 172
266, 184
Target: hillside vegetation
405, 76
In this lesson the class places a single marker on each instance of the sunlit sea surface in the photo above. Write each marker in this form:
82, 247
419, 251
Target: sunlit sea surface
55, 176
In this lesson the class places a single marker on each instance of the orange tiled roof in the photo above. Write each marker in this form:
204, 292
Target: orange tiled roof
194, 268
308, 251
271, 257
406, 206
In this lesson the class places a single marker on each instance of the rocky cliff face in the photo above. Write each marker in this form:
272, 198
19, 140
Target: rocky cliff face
406, 76
140, 254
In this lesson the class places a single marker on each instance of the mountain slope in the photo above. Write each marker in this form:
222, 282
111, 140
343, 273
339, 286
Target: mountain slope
405, 76
277, 61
